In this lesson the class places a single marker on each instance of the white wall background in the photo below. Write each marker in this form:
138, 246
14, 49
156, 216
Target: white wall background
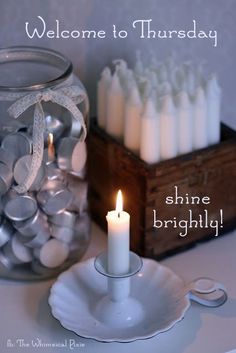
89, 56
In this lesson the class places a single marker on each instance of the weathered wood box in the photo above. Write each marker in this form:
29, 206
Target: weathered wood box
208, 172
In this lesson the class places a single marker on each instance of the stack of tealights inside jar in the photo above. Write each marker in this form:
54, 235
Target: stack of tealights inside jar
44, 227
161, 110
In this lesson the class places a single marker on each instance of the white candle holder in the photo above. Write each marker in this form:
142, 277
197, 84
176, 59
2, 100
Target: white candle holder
94, 304
118, 308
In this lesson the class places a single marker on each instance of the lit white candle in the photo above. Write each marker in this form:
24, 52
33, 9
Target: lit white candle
150, 133
118, 239
102, 90
133, 108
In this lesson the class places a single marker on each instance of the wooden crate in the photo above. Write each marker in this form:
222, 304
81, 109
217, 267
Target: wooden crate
207, 172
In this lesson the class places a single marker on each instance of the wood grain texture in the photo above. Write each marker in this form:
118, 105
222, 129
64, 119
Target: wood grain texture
207, 172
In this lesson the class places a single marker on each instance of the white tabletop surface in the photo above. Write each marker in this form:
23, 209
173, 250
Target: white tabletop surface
25, 315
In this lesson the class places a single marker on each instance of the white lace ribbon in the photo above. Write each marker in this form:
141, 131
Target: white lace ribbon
66, 97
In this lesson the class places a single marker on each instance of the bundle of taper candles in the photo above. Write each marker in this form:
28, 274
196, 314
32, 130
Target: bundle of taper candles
47, 226
161, 110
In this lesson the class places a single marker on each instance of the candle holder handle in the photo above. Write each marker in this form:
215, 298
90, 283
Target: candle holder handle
118, 308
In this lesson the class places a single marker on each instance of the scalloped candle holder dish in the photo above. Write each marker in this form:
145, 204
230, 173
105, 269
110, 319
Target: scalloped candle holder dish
157, 297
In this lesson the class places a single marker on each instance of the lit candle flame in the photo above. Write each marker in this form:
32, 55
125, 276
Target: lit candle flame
50, 138
51, 149
119, 203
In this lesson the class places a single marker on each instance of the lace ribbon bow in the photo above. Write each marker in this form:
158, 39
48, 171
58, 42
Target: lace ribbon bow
67, 97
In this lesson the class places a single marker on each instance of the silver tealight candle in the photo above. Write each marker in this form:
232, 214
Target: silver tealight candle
17, 252
53, 176
53, 126
18, 143
53, 253
33, 225
19, 207
73, 127
79, 190
71, 154
37, 241
64, 219
62, 226
61, 233
54, 200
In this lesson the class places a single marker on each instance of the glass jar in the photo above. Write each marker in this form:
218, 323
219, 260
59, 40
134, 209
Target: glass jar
44, 226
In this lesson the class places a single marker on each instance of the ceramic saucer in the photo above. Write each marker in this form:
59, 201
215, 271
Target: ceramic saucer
160, 291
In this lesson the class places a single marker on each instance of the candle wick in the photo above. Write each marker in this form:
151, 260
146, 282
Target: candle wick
118, 214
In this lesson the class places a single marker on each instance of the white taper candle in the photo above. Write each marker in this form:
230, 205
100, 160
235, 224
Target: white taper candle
200, 139
185, 123
115, 108
118, 239
102, 90
213, 96
168, 128
132, 127
150, 133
